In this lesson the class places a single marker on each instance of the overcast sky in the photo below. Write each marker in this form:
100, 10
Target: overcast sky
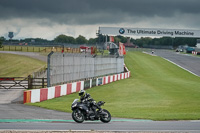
50, 18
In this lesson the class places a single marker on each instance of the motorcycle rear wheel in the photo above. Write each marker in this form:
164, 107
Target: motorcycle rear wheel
107, 118
78, 116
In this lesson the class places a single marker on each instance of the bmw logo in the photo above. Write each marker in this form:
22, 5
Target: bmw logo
121, 30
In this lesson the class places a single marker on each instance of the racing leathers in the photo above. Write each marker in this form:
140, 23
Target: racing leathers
90, 102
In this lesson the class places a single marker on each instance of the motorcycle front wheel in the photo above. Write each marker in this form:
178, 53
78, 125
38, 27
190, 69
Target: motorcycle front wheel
78, 116
105, 118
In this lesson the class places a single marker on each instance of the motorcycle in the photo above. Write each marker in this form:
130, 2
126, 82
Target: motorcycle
80, 113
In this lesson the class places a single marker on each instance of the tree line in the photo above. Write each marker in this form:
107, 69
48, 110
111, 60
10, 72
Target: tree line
141, 42
2, 39
148, 41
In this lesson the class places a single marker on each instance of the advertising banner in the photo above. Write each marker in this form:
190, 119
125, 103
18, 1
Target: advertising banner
149, 32
100, 81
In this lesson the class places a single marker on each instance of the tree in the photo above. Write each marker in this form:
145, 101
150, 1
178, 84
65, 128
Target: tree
143, 41
139, 42
2, 39
92, 40
64, 39
61, 39
183, 41
117, 40
166, 41
133, 41
101, 38
121, 39
81, 40
0, 43
71, 40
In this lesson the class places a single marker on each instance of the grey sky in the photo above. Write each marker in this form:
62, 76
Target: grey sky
49, 18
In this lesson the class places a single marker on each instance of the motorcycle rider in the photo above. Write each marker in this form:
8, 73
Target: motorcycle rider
85, 98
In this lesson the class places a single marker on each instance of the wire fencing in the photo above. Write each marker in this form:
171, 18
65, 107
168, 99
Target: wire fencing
68, 67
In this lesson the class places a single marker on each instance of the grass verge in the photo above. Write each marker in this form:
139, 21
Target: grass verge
18, 66
157, 90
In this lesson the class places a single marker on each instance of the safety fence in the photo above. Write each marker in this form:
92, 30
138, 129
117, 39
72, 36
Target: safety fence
68, 67
38, 95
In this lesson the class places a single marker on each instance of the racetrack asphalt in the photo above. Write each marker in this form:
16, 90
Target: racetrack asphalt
188, 62
155, 126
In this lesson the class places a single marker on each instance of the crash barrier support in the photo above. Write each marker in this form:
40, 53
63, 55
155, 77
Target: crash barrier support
38, 95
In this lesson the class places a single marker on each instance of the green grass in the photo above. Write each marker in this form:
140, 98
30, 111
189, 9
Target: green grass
18, 66
157, 90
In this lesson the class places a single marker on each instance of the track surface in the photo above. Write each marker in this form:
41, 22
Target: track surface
189, 62
23, 117
112, 126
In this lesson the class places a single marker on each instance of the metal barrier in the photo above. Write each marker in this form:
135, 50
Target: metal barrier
67, 67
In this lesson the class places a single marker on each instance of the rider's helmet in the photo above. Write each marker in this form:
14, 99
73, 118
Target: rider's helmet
81, 93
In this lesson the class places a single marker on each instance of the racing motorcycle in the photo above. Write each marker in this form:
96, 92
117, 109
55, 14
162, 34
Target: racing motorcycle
80, 112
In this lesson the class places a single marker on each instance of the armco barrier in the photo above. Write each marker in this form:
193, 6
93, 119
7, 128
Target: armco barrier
63, 90
38, 95
69, 88
57, 91
193, 52
43, 94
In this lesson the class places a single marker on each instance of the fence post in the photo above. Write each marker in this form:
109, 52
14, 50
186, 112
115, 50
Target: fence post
43, 82
29, 82
48, 68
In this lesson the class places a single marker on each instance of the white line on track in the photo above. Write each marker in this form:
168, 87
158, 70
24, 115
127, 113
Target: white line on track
182, 67
174, 63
